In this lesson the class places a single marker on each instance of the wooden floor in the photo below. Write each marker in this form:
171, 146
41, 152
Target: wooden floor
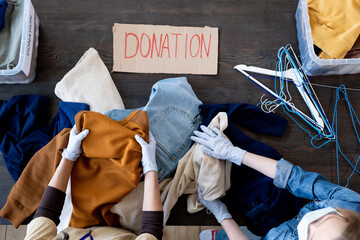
8, 232
250, 32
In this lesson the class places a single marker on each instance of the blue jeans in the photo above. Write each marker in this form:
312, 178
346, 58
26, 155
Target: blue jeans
251, 192
173, 112
311, 186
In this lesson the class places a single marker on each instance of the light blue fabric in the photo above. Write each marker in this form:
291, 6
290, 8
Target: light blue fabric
10, 35
311, 186
173, 112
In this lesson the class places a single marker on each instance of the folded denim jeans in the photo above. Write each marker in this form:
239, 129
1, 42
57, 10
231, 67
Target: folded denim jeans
173, 112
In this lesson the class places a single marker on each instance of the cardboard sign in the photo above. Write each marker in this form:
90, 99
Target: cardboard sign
165, 49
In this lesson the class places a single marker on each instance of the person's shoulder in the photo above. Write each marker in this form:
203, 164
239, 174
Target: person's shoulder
41, 228
146, 236
285, 231
278, 233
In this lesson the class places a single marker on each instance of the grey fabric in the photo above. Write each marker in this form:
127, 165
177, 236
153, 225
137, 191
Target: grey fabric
282, 174
10, 35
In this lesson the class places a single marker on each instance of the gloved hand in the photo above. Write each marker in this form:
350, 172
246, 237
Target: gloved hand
74, 149
217, 146
216, 207
148, 153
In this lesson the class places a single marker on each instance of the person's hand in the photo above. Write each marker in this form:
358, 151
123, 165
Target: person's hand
216, 207
217, 146
148, 153
74, 149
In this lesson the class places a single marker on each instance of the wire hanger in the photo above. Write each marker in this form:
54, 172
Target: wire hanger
289, 70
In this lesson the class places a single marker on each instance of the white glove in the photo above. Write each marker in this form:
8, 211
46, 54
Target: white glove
148, 153
217, 146
74, 149
216, 207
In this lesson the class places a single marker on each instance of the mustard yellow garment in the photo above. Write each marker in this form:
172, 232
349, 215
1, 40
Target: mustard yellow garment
109, 167
335, 26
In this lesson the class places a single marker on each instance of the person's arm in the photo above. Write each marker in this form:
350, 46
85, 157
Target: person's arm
62, 174
222, 215
301, 183
265, 165
152, 201
311, 185
217, 146
52, 202
152, 212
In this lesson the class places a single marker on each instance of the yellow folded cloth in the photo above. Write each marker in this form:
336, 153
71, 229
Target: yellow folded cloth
335, 26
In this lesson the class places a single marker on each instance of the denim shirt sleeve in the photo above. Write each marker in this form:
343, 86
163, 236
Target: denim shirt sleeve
310, 185
282, 174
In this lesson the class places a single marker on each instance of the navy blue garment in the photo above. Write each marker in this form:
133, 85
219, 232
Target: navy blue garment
24, 128
3, 6
251, 192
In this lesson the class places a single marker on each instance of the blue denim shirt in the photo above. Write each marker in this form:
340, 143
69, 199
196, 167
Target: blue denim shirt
312, 186
173, 112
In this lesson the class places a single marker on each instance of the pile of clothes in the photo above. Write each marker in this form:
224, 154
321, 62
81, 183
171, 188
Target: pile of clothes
32, 150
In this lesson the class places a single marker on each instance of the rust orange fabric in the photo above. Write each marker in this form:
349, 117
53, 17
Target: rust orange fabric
108, 169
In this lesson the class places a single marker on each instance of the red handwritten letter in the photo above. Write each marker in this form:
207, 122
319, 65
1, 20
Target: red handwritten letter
196, 35
166, 40
207, 51
176, 43
137, 44
149, 45
154, 44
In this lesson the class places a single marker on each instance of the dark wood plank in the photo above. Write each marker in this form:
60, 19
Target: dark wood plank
251, 32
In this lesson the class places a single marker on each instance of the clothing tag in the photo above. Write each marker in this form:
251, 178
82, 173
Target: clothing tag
309, 218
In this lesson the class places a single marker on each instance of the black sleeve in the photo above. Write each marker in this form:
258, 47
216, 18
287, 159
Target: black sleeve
152, 222
51, 204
